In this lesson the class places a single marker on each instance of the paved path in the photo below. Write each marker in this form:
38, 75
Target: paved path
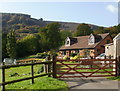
93, 83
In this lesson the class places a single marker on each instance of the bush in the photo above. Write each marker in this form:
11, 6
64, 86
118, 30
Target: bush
42, 54
65, 57
76, 57
73, 54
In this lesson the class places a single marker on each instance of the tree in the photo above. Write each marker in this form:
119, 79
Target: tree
44, 39
83, 29
4, 49
28, 45
99, 30
11, 44
65, 34
53, 35
50, 36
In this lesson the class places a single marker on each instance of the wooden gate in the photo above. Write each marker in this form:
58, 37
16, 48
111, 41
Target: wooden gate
85, 68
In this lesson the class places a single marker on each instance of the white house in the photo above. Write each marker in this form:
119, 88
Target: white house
113, 49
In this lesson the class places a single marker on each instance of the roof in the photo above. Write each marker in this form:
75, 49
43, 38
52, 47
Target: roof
117, 37
109, 44
82, 43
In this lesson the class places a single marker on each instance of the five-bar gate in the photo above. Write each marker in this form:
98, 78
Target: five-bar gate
85, 68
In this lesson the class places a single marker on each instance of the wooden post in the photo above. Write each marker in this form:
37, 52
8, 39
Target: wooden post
54, 66
3, 77
32, 72
49, 70
118, 66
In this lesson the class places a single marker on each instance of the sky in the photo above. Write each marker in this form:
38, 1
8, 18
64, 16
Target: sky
97, 13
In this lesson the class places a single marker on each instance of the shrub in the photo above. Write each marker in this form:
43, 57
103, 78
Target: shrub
42, 54
76, 57
65, 57
73, 54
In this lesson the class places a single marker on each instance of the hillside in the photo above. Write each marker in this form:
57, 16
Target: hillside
23, 23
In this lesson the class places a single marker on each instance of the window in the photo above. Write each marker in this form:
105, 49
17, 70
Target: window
76, 51
91, 40
108, 41
67, 42
64, 53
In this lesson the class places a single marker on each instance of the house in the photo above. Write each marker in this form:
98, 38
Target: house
92, 45
113, 49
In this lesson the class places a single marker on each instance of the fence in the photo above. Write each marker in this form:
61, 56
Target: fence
52, 69
86, 68
3, 67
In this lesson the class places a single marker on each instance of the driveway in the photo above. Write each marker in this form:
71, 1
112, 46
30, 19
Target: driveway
92, 84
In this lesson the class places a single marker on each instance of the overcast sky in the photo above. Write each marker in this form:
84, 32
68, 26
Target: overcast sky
97, 13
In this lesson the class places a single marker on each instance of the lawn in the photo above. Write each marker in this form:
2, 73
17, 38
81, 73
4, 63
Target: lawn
21, 71
45, 83
27, 57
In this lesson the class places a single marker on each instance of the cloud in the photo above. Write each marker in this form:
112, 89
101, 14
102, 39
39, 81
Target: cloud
112, 8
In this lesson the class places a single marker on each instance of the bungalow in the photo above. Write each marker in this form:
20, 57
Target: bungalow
92, 45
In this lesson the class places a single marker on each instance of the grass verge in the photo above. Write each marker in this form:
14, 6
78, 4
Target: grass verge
114, 78
41, 83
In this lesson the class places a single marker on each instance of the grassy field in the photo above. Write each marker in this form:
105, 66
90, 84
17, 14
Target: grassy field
21, 71
27, 57
45, 83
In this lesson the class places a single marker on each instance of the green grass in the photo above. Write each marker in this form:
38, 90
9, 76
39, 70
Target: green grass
27, 57
45, 83
21, 71
114, 78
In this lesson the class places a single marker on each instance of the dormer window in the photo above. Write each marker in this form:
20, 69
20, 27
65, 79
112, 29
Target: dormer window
67, 41
91, 39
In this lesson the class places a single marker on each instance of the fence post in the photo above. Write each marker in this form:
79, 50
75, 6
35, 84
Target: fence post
49, 67
49, 70
54, 66
32, 72
3, 77
118, 66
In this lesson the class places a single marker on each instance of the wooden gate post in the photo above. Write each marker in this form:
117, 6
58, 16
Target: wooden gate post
118, 66
54, 66
49, 67
3, 77
32, 72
